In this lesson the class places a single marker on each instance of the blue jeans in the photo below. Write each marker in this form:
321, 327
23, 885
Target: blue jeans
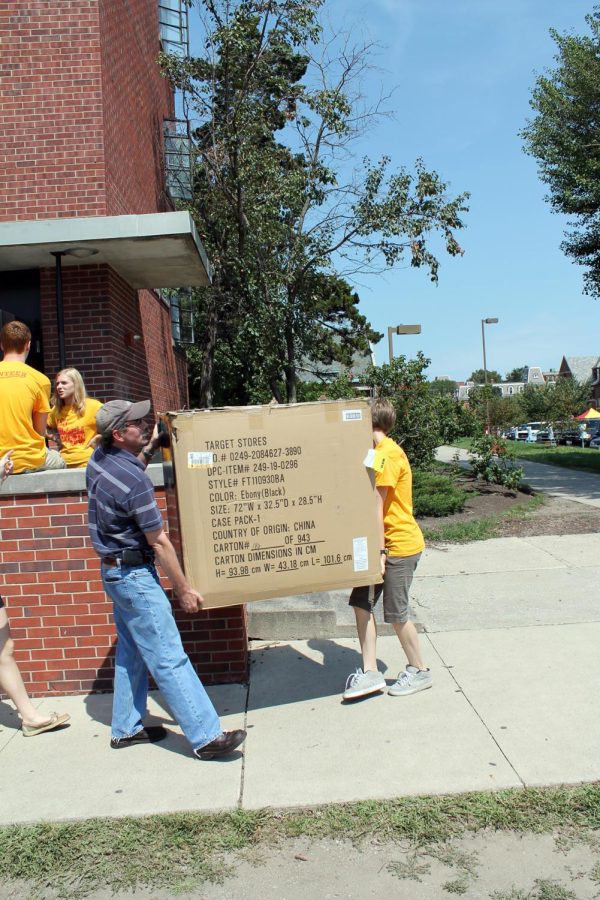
148, 640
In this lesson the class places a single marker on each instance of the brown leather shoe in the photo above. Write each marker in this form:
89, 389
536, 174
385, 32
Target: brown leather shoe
225, 743
151, 734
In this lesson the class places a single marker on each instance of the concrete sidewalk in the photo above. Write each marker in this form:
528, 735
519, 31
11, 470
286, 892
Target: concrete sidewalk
513, 627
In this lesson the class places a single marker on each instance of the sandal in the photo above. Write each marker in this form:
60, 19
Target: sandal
54, 721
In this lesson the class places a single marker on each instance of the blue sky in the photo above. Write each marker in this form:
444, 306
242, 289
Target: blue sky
464, 70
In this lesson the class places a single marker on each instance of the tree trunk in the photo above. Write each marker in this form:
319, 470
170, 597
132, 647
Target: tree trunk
207, 377
290, 366
290, 352
275, 390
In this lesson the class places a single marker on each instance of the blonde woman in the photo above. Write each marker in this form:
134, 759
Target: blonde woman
73, 416
32, 721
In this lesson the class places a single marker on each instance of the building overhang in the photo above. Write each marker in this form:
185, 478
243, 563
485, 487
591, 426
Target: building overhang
154, 250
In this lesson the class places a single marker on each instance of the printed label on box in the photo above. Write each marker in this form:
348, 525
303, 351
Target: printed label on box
352, 415
199, 460
360, 554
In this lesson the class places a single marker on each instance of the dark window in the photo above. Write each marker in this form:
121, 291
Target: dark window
181, 303
20, 299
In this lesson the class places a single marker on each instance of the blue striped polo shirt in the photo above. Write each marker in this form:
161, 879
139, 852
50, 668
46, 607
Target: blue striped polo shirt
121, 502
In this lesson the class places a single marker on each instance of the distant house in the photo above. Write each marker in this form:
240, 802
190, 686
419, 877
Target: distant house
582, 369
310, 370
532, 375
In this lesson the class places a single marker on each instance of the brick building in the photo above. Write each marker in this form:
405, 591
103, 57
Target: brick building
83, 112
91, 167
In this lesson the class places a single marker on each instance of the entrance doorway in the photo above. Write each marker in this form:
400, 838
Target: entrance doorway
20, 299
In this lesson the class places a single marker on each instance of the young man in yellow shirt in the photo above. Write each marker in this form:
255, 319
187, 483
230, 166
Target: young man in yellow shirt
401, 543
24, 404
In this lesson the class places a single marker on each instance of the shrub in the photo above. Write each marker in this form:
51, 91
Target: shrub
493, 461
436, 495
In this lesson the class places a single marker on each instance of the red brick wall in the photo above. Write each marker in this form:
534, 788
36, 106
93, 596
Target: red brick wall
51, 122
59, 615
182, 377
100, 309
82, 103
167, 392
102, 314
132, 83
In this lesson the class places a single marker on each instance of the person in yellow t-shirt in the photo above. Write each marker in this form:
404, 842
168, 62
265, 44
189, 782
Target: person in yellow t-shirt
73, 416
24, 404
401, 543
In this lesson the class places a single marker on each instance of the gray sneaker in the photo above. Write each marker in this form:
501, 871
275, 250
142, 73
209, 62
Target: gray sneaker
361, 684
411, 681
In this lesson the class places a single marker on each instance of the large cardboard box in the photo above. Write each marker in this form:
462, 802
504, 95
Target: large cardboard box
273, 500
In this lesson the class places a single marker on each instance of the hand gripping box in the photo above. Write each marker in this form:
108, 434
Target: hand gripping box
271, 501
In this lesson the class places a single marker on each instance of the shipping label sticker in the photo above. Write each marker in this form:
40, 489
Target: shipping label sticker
360, 554
374, 460
199, 460
352, 415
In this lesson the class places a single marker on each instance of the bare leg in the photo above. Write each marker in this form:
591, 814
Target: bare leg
367, 636
10, 677
409, 638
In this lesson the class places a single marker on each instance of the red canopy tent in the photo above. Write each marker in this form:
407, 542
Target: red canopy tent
590, 414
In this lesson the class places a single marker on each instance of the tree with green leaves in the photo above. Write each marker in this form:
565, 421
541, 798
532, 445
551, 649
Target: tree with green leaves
479, 376
564, 138
535, 401
404, 383
285, 223
516, 374
565, 399
489, 407
443, 387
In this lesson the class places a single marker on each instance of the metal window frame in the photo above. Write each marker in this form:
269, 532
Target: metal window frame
174, 27
180, 302
178, 159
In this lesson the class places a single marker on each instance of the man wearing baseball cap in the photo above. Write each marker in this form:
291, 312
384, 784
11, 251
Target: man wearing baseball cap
127, 533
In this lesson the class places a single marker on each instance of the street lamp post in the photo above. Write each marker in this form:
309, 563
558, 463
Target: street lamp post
400, 329
485, 322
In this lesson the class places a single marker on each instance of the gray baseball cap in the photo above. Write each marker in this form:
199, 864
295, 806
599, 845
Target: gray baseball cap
117, 413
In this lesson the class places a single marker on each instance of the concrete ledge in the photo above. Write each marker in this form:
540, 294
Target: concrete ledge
60, 481
323, 615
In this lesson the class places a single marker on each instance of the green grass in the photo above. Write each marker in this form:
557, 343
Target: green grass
464, 532
544, 889
484, 528
172, 851
569, 457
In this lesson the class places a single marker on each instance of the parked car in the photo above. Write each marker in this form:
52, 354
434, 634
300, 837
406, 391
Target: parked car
595, 443
581, 434
546, 435
528, 432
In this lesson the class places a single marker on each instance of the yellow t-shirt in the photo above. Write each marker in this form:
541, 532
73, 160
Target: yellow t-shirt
23, 391
75, 432
403, 537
